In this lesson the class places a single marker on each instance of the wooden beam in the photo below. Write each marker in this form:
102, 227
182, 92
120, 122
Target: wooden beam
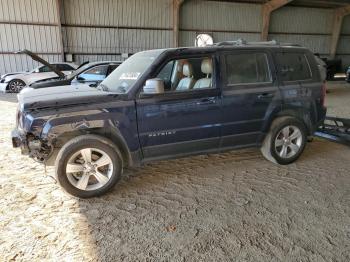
176, 21
59, 24
339, 15
267, 9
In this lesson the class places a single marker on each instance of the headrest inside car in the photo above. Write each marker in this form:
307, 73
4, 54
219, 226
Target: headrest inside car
207, 66
187, 69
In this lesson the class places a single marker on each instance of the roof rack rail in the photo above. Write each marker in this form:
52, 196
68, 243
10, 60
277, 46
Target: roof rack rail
241, 41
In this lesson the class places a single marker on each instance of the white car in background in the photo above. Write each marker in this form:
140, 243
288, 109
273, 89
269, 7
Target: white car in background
15, 82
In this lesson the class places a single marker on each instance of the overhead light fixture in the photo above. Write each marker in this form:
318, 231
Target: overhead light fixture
203, 40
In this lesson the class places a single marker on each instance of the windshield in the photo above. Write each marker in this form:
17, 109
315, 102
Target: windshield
122, 79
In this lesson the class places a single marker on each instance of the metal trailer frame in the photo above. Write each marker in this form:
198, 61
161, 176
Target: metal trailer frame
335, 129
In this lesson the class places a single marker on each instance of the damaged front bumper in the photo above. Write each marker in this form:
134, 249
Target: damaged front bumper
19, 141
31, 146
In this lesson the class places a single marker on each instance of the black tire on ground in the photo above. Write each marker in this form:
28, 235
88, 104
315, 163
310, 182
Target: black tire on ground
268, 148
16, 85
75, 145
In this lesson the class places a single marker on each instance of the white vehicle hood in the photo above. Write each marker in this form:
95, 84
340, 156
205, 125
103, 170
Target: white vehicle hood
11, 76
13, 73
30, 77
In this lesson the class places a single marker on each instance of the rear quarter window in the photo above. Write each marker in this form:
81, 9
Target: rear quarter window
293, 67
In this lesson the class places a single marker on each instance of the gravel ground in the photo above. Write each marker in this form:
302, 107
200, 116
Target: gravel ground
223, 207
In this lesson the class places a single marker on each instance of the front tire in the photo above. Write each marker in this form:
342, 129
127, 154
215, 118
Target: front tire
285, 141
88, 166
16, 85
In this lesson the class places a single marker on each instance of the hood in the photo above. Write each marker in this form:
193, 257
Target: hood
61, 96
11, 74
48, 82
10, 77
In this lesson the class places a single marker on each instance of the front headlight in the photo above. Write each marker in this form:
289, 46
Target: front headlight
5, 80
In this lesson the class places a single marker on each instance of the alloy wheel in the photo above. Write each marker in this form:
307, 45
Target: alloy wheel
288, 142
89, 169
16, 85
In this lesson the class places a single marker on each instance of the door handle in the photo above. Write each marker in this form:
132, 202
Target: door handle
206, 101
265, 95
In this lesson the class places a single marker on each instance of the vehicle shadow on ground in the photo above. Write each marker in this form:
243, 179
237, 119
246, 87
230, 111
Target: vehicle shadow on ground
8, 97
206, 207
139, 217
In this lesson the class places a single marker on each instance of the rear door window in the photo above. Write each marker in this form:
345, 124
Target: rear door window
45, 69
293, 67
247, 68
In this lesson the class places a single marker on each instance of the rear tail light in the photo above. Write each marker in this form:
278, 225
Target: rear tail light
323, 94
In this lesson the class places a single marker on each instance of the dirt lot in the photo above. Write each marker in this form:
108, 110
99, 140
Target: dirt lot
225, 207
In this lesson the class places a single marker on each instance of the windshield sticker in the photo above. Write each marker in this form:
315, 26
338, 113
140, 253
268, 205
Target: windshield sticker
130, 75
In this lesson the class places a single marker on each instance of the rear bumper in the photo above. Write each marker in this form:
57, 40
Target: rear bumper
3, 87
19, 141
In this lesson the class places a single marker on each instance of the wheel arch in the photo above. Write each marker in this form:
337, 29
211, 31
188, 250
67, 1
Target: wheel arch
23, 79
297, 113
113, 136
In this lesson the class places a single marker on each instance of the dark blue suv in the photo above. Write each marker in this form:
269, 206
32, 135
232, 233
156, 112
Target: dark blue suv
171, 103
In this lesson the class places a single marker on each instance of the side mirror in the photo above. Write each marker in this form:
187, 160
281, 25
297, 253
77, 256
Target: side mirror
154, 86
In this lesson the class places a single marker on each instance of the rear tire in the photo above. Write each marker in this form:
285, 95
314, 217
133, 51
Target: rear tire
285, 141
88, 166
